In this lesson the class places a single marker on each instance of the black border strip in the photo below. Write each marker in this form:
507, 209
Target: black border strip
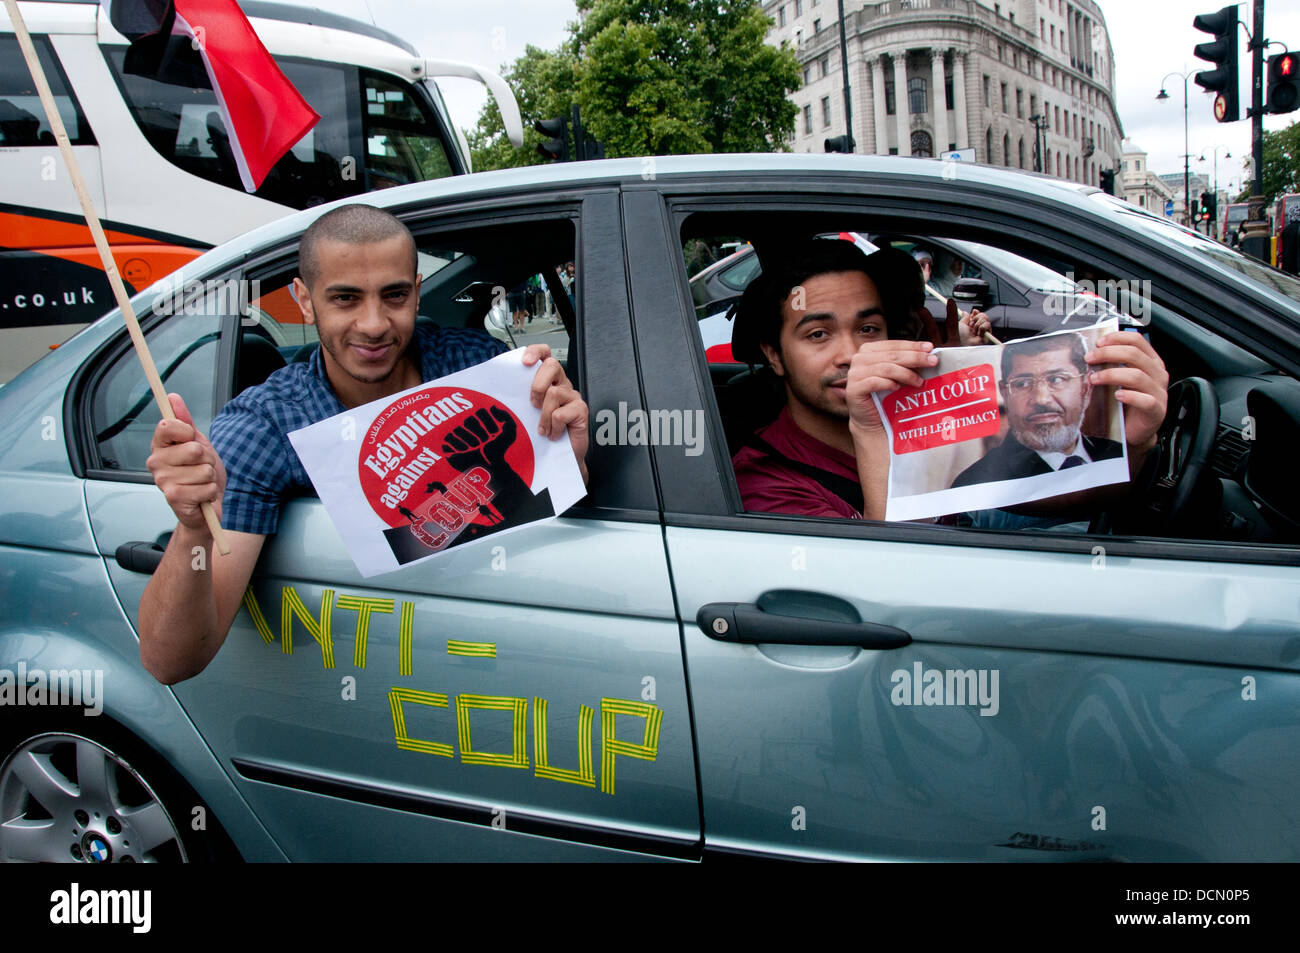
444, 809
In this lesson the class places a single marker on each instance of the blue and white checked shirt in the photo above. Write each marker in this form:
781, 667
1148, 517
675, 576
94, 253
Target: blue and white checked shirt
251, 433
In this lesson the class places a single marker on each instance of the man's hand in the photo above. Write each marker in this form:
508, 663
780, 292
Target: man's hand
1141, 380
974, 325
562, 406
883, 366
185, 467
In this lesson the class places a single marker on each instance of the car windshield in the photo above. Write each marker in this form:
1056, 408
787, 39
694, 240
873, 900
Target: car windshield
1270, 280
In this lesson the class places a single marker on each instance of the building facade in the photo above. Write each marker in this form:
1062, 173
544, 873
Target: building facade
1138, 185
1027, 83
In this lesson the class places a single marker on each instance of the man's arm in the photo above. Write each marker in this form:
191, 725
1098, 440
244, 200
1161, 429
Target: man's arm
185, 612
879, 366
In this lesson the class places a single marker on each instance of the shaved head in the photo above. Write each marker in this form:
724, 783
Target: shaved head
349, 225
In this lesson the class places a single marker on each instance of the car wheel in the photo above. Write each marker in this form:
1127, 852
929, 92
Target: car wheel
67, 797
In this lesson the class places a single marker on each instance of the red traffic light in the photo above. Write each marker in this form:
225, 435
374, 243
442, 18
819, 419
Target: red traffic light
1286, 66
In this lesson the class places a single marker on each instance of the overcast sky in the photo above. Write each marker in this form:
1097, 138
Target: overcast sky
1151, 39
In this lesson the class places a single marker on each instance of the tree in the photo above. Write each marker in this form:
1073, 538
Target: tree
1281, 162
543, 83
655, 77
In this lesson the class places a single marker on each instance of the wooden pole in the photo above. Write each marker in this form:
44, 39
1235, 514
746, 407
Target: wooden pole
101, 242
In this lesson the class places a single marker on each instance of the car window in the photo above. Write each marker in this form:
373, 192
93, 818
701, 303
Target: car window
184, 346
1232, 503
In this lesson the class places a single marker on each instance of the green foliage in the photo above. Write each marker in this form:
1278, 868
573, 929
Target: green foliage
654, 77
1281, 162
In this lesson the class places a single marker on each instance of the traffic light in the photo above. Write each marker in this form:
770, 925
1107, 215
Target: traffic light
1222, 52
1108, 181
557, 146
1283, 83
1210, 205
840, 144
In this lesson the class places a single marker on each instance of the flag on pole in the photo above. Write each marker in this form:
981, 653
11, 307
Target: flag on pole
264, 114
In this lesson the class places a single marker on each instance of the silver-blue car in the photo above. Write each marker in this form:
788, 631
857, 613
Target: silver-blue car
658, 674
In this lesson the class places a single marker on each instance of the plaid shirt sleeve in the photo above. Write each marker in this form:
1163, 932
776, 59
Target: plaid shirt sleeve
256, 454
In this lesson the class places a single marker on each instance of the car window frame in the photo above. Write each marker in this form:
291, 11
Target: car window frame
975, 217
83, 449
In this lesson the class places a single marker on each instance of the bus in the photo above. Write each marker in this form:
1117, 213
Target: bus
1234, 217
157, 160
1285, 208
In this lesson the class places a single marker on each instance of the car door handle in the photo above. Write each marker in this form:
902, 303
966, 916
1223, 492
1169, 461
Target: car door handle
796, 617
139, 556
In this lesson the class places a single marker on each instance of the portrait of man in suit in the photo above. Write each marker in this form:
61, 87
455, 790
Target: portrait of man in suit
1045, 387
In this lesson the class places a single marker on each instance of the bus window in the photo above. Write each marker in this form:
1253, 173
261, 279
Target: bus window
22, 120
401, 138
402, 143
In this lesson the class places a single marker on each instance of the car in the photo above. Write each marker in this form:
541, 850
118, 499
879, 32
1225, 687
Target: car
656, 673
1021, 297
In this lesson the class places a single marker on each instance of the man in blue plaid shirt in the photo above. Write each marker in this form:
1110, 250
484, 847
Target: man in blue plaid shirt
358, 285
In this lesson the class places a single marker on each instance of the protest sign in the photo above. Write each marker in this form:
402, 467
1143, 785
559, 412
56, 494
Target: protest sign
1000, 425
411, 476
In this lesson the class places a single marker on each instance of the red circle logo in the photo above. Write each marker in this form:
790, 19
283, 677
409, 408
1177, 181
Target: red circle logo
427, 456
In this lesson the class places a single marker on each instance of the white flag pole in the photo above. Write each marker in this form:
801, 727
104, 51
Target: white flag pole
101, 243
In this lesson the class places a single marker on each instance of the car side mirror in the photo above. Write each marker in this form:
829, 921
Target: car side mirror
973, 293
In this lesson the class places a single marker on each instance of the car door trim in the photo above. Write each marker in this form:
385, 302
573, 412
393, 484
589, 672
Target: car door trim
481, 815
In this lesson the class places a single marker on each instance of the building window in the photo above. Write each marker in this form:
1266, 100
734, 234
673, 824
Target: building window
1006, 150
1042, 28
986, 90
1020, 104
916, 95
1033, 105
1022, 152
826, 111
807, 75
889, 98
893, 150
1057, 113
826, 65
988, 146
817, 26
1053, 32
948, 101
807, 120
798, 8
780, 16
1004, 97
922, 144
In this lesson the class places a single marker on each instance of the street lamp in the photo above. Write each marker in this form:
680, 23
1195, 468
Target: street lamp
1187, 156
1040, 126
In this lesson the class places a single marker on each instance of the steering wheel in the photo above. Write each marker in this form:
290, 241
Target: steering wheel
1183, 446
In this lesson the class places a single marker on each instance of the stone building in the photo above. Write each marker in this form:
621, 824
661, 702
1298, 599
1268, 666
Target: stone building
929, 76
1138, 185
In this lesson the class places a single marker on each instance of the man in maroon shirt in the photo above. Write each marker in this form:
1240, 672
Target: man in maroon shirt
835, 325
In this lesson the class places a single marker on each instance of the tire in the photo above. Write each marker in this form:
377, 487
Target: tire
86, 790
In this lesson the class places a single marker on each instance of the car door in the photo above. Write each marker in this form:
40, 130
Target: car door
902, 691
521, 697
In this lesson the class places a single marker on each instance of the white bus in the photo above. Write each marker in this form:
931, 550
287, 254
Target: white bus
157, 161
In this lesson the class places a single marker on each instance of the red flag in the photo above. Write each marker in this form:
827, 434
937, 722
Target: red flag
263, 112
